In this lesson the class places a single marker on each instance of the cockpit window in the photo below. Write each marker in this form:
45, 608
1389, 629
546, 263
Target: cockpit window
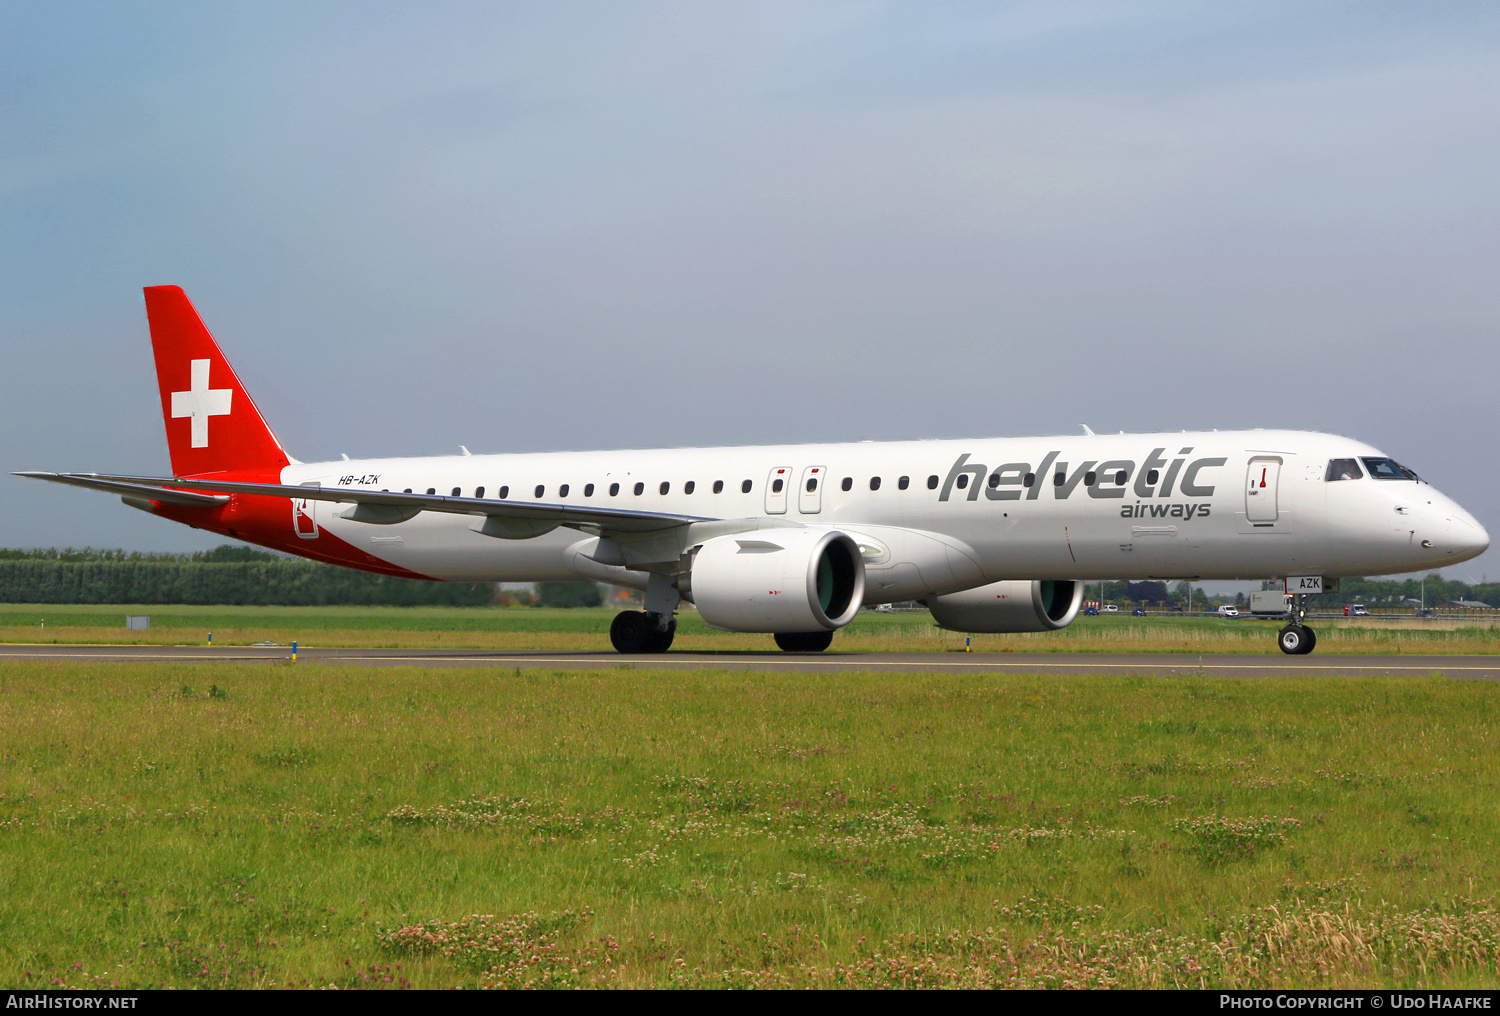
1388, 469
1344, 469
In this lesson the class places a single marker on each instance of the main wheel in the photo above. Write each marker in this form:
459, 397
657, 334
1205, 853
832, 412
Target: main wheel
1296, 640
661, 641
632, 632
804, 641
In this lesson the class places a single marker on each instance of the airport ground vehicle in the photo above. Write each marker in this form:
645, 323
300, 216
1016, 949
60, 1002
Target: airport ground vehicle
1356, 610
992, 535
1228, 611
1269, 603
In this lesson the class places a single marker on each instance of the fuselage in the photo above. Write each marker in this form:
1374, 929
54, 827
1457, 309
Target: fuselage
940, 515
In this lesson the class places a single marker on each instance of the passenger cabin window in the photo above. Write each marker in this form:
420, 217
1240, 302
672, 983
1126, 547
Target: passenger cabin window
1028, 480
745, 487
588, 490
689, 487
932, 481
1058, 479
406, 491
455, 491
640, 488
776, 485
994, 480
1120, 478
432, 490
562, 491
963, 480
1152, 477
1089, 478
904, 482
614, 490
718, 486
848, 483
1343, 469
504, 492
874, 483
479, 492
665, 486
812, 484
1388, 469
541, 489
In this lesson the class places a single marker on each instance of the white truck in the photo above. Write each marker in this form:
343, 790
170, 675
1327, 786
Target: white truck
1269, 603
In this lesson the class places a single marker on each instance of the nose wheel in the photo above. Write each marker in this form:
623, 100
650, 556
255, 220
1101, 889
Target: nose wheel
1296, 639
637, 631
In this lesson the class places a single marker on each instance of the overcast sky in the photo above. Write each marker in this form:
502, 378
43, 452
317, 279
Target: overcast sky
574, 225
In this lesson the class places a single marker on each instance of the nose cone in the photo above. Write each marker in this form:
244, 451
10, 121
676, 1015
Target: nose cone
1466, 536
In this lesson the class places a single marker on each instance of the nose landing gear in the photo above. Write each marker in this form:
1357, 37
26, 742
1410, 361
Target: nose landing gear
1296, 638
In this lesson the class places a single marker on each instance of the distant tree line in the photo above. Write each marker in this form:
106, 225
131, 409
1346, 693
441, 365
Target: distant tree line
1373, 593
225, 575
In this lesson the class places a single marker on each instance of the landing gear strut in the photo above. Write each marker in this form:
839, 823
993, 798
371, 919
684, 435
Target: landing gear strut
637, 631
1296, 638
804, 641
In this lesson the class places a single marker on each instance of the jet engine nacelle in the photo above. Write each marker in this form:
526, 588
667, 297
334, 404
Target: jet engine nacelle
778, 580
1009, 607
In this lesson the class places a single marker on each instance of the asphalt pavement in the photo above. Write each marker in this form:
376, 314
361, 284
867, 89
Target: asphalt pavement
1482, 668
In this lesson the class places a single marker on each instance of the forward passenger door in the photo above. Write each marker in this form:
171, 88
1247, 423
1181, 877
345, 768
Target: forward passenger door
1261, 481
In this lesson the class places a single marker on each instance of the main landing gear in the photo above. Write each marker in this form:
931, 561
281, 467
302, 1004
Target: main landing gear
804, 641
638, 631
1296, 638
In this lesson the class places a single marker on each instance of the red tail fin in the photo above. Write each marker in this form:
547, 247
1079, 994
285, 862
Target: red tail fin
212, 425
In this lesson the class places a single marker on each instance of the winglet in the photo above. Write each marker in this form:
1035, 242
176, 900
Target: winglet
212, 424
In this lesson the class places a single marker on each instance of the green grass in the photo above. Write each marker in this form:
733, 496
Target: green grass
293, 825
551, 629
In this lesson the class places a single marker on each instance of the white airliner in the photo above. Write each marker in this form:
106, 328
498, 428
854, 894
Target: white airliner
993, 535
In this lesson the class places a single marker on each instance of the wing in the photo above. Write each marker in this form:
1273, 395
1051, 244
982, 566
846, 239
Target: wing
397, 506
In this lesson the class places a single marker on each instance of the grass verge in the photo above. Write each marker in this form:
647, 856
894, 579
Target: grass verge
370, 827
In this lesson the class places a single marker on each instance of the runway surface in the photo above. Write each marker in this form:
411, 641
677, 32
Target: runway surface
1479, 668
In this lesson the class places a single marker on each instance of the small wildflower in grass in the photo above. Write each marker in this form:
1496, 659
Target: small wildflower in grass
1217, 838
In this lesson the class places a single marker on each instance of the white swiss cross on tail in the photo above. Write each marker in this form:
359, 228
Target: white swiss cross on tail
200, 402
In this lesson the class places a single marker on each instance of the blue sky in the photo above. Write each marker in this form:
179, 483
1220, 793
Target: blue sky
552, 226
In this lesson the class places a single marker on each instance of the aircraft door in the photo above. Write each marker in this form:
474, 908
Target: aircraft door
1261, 481
776, 485
305, 515
810, 494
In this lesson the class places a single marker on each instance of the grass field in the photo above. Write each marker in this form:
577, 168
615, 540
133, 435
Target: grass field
520, 628
291, 825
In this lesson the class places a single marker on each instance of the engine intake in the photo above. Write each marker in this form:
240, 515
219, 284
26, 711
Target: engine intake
778, 580
1012, 606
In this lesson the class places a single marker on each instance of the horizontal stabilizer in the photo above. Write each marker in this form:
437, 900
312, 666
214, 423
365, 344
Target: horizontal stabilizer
186, 498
